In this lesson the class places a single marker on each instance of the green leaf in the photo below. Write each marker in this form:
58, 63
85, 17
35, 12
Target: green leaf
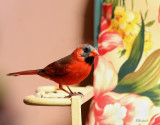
132, 4
108, 1
153, 94
97, 18
150, 23
124, 3
120, 3
136, 53
115, 3
123, 52
145, 81
145, 16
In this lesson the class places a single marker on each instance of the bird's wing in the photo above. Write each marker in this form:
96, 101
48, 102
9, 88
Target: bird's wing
58, 68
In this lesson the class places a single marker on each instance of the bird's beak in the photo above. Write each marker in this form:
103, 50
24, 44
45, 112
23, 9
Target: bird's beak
94, 52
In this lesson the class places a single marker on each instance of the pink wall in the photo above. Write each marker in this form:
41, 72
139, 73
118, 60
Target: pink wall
34, 33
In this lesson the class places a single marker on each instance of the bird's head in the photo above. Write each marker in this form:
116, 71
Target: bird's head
86, 53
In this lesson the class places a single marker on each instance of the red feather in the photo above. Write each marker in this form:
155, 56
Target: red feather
69, 70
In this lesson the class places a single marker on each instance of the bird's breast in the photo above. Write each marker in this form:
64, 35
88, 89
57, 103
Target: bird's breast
78, 71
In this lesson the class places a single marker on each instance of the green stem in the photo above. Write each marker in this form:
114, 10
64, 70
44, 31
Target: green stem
108, 1
120, 2
132, 4
124, 3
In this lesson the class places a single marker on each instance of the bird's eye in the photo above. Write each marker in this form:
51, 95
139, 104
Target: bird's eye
86, 50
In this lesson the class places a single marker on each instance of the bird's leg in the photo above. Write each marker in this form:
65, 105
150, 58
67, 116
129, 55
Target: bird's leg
69, 89
71, 93
60, 87
74, 93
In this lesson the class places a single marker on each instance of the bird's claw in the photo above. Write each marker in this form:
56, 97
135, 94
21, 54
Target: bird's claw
74, 94
81, 94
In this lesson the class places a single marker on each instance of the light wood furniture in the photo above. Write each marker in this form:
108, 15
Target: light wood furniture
52, 96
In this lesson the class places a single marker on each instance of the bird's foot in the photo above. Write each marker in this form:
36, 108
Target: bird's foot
78, 93
74, 94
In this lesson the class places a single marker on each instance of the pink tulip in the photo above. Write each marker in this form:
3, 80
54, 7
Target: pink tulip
111, 108
107, 12
105, 76
155, 120
107, 40
119, 109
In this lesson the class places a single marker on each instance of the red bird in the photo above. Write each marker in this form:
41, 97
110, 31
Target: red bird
69, 70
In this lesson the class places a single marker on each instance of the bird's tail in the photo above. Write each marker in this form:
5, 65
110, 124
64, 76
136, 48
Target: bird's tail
28, 72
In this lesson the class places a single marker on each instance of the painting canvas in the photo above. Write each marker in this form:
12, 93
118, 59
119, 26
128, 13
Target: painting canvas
127, 72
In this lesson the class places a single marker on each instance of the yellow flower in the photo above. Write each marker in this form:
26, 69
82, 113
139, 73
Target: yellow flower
122, 22
147, 36
120, 16
126, 22
132, 28
129, 39
148, 43
119, 11
129, 16
114, 24
128, 42
137, 18
121, 32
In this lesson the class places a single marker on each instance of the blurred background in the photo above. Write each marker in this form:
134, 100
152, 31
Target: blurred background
34, 33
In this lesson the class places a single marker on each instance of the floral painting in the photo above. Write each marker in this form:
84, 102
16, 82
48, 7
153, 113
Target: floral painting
130, 96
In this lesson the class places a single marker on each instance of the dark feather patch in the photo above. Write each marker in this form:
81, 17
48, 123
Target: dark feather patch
89, 60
